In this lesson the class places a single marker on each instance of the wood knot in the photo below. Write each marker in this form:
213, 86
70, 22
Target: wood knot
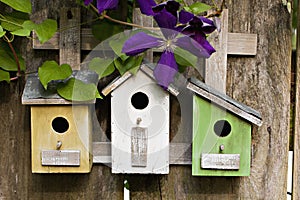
69, 14
269, 129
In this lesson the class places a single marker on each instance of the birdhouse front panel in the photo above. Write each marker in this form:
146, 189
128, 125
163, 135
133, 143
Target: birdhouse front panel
140, 127
221, 141
61, 139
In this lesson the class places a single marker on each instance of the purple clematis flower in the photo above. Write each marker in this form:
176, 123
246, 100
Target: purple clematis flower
167, 16
185, 16
87, 2
166, 67
103, 4
197, 29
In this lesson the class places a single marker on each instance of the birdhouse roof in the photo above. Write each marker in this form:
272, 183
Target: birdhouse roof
35, 94
145, 68
209, 93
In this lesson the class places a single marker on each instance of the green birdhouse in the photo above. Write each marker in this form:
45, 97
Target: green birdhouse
221, 133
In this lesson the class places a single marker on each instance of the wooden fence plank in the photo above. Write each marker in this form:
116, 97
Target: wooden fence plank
180, 153
87, 41
238, 43
242, 44
145, 21
216, 65
69, 39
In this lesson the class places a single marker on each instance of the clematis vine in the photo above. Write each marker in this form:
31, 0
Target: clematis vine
103, 4
180, 29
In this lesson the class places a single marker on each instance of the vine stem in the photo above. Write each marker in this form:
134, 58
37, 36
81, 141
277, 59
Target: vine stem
14, 78
184, 3
104, 15
15, 56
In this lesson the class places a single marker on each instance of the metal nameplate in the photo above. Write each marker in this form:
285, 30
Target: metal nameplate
220, 161
139, 142
61, 157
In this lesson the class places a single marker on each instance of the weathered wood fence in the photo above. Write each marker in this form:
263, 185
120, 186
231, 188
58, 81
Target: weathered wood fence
260, 80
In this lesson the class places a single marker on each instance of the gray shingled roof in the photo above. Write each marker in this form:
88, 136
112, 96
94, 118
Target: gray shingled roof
224, 101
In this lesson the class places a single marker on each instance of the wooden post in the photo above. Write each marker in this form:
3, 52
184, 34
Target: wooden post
296, 166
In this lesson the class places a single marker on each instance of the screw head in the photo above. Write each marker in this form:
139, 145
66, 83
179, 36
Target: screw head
222, 147
58, 145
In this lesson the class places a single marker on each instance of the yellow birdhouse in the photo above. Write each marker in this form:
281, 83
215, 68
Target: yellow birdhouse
61, 131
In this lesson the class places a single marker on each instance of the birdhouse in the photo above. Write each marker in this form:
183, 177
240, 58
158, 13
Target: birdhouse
221, 133
139, 124
61, 131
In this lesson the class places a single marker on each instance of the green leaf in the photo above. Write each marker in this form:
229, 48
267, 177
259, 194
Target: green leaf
77, 90
4, 76
103, 67
104, 30
119, 65
13, 21
20, 5
7, 59
51, 71
199, 7
138, 60
44, 30
188, 9
185, 58
2, 32
117, 45
132, 64
21, 32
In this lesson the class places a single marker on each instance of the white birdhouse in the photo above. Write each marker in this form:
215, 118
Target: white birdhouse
139, 123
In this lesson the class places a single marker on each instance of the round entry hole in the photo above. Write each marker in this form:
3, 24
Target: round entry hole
60, 124
222, 128
139, 100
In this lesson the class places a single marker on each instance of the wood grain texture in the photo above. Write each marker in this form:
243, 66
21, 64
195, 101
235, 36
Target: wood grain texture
216, 64
15, 168
263, 83
241, 44
16, 179
87, 41
296, 167
180, 153
260, 81
69, 38
238, 43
